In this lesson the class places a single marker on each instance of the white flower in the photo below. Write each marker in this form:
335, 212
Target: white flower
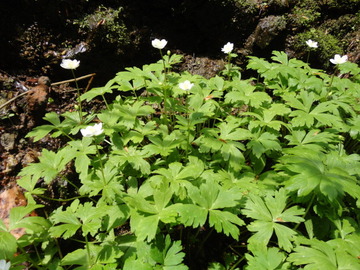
159, 44
70, 64
90, 131
4, 265
186, 85
312, 44
228, 47
338, 59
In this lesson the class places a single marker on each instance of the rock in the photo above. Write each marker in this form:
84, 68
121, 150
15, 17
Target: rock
7, 140
203, 66
266, 30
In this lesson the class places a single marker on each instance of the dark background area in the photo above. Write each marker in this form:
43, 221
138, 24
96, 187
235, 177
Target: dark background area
32, 32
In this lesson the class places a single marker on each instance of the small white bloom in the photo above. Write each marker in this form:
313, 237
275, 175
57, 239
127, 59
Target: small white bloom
312, 44
228, 47
159, 44
70, 64
94, 130
4, 265
186, 85
338, 59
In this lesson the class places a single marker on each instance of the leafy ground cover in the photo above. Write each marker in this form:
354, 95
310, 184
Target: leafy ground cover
183, 172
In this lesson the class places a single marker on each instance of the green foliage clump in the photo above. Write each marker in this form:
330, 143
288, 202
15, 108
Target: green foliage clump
247, 6
342, 25
342, 4
271, 165
305, 13
105, 25
328, 45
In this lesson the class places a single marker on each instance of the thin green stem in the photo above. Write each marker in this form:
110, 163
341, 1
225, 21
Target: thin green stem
308, 57
101, 164
307, 210
163, 60
106, 104
164, 87
66, 135
201, 245
237, 263
332, 78
228, 66
29, 258
61, 200
87, 248
70, 182
188, 135
78, 96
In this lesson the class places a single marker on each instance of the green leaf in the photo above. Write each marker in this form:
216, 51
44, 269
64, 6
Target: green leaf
225, 222
208, 200
265, 259
40, 132
263, 142
173, 255
80, 151
136, 264
190, 214
128, 113
312, 173
162, 145
320, 255
226, 142
99, 91
244, 93
314, 136
77, 257
49, 166
136, 158
269, 213
8, 245
17, 215
146, 214
76, 216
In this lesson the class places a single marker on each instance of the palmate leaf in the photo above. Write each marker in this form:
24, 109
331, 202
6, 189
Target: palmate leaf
41, 131
314, 172
96, 260
162, 145
49, 166
259, 64
140, 132
321, 255
99, 91
268, 214
136, 158
211, 200
80, 151
323, 114
129, 112
146, 214
178, 176
162, 253
227, 142
244, 93
263, 142
267, 118
168, 254
314, 136
266, 259
76, 216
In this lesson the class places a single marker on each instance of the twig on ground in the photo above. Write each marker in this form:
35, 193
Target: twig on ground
53, 84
